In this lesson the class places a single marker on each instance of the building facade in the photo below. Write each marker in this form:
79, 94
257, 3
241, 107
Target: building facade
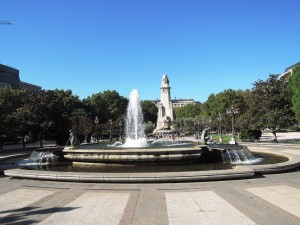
9, 77
177, 103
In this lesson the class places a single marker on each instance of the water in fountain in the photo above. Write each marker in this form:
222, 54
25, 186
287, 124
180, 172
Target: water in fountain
39, 158
135, 136
239, 156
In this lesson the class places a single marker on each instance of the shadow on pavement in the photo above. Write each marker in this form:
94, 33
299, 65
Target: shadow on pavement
22, 216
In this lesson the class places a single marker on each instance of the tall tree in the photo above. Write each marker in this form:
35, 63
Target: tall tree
10, 101
188, 111
219, 104
48, 113
270, 105
150, 111
295, 87
107, 105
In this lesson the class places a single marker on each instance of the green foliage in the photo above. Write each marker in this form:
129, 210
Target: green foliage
10, 101
270, 104
295, 87
225, 138
294, 127
148, 127
188, 111
106, 105
220, 103
52, 113
250, 134
184, 124
150, 111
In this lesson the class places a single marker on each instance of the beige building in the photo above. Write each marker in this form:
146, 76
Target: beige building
177, 103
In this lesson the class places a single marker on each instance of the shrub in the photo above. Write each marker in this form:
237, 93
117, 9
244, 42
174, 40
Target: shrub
250, 134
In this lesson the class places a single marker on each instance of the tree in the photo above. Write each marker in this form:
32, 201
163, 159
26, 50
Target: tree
148, 127
295, 87
10, 101
219, 104
48, 113
270, 105
64, 104
150, 111
188, 111
106, 105
21, 125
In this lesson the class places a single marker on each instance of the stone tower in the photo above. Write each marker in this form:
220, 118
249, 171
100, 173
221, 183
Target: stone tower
165, 108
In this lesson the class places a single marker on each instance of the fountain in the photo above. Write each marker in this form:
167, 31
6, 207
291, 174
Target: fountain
135, 136
136, 149
135, 159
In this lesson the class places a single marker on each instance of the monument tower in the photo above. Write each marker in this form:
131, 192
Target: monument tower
165, 108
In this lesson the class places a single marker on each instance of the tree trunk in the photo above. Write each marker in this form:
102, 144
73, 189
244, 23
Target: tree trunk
275, 136
23, 141
41, 140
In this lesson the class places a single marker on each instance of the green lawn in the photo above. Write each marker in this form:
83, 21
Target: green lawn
226, 138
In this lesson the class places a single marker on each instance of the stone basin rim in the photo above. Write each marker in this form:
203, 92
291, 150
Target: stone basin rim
240, 172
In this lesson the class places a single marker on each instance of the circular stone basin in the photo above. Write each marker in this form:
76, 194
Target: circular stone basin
149, 155
64, 165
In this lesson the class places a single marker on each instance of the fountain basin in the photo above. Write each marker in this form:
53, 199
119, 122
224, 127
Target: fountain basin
125, 176
148, 155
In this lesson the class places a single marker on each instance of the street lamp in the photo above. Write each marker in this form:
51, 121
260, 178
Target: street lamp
110, 124
96, 122
120, 124
232, 111
220, 130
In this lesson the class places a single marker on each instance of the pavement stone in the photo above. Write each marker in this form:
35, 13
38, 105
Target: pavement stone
266, 199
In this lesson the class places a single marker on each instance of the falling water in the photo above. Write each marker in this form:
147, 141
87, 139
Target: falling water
39, 158
135, 136
239, 156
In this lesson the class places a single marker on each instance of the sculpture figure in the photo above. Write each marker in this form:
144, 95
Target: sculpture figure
205, 135
71, 138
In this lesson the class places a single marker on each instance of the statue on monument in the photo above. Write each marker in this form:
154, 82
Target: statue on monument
165, 107
165, 81
167, 123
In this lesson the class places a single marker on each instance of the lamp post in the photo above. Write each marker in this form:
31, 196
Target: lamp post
232, 111
220, 130
120, 124
96, 122
110, 124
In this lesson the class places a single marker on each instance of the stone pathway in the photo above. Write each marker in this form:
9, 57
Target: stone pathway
269, 199
256, 201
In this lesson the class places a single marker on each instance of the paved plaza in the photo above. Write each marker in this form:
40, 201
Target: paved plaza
265, 199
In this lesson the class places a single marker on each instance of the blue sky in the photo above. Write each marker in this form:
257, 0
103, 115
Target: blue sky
205, 47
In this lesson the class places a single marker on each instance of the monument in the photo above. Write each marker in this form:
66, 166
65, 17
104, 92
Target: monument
165, 108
